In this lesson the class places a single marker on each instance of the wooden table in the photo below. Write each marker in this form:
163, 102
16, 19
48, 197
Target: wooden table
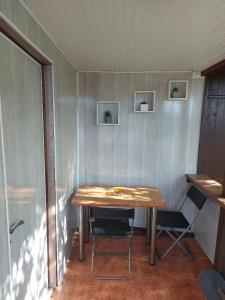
145, 197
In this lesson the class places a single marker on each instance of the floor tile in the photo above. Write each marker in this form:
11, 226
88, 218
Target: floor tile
112, 290
110, 266
183, 289
148, 288
173, 278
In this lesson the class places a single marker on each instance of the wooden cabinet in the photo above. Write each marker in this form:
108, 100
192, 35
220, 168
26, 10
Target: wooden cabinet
211, 156
211, 160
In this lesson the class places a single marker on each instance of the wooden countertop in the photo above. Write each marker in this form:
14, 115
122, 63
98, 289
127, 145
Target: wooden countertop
128, 196
209, 187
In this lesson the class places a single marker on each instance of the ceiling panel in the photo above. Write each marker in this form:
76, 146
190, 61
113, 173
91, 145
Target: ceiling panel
135, 35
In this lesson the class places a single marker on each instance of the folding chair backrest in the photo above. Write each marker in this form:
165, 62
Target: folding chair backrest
196, 197
111, 213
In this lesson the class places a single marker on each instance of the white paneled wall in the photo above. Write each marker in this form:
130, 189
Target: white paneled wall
205, 228
147, 148
66, 157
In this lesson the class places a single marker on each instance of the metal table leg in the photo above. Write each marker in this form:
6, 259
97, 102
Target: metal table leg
148, 222
86, 224
153, 236
81, 233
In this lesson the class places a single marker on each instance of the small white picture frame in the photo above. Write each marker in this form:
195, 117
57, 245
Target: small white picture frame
108, 113
178, 90
148, 99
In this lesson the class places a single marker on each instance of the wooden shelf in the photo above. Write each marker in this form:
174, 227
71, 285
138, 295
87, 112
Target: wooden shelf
209, 187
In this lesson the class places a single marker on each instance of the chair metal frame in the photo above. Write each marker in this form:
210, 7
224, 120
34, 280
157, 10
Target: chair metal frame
176, 235
110, 253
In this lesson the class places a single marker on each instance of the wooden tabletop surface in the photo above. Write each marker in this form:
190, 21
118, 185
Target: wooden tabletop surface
118, 196
209, 187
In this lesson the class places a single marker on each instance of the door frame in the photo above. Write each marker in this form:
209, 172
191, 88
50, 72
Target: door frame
15, 35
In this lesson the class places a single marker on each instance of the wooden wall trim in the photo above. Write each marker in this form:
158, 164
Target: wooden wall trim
49, 138
220, 66
18, 38
8, 29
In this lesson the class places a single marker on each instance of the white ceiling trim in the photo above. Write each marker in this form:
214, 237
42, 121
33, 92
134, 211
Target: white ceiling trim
134, 72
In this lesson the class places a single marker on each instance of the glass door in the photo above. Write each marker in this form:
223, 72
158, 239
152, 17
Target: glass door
22, 122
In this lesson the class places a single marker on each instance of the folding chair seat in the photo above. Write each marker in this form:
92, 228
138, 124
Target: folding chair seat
176, 225
111, 228
174, 219
111, 223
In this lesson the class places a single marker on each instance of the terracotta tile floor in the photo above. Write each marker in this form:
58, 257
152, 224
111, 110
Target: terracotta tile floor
174, 278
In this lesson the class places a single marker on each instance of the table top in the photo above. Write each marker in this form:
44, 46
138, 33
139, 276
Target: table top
88, 195
209, 187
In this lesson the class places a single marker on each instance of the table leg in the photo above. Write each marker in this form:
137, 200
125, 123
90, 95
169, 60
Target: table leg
86, 224
153, 236
148, 222
81, 233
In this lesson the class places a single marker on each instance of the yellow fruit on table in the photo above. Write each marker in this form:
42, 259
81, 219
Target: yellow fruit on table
118, 190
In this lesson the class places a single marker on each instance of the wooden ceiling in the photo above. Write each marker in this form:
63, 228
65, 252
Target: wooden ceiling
135, 35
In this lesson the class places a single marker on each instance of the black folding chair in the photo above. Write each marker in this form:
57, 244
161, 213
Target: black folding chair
113, 223
175, 224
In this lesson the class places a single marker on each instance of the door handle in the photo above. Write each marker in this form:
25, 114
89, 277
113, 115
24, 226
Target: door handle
14, 225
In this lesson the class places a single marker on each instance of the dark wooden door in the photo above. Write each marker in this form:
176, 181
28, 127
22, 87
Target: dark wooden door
211, 160
211, 156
